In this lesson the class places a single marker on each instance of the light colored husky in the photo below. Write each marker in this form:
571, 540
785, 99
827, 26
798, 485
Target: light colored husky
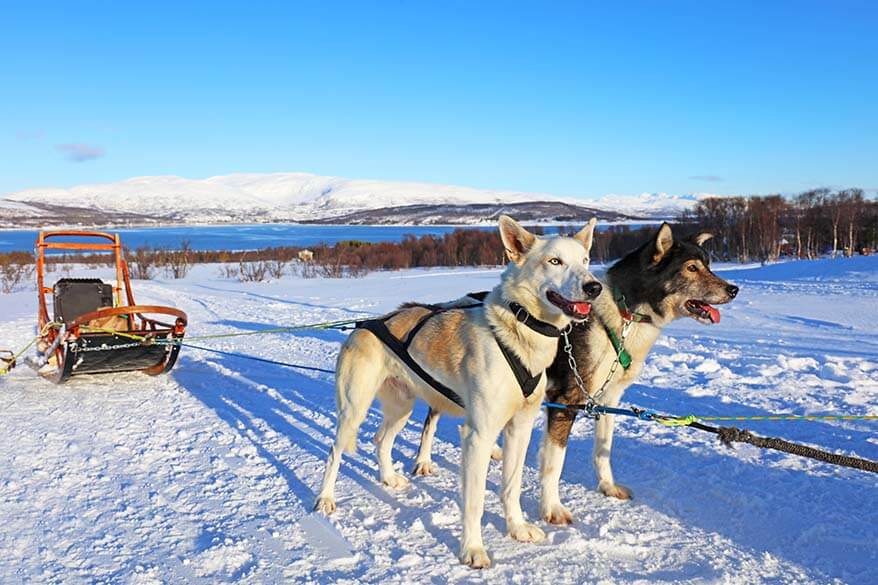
548, 284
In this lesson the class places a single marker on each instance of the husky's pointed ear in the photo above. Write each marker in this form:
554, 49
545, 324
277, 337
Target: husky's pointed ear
664, 239
699, 239
516, 239
585, 236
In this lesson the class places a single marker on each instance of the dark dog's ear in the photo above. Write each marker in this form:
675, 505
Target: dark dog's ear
585, 236
699, 239
664, 239
516, 239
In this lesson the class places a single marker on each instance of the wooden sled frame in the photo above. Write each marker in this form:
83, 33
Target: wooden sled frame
151, 346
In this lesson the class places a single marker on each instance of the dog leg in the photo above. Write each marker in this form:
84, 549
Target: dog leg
603, 445
424, 462
397, 407
497, 453
552, 454
515, 440
474, 475
354, 394
326, 499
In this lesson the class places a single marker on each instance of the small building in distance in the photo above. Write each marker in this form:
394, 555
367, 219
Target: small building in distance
306, 255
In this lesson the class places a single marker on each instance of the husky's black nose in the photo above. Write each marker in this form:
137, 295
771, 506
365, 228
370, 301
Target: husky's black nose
592, 290
732, 290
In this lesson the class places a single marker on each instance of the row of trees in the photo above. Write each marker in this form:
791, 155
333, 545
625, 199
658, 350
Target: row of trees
814, 223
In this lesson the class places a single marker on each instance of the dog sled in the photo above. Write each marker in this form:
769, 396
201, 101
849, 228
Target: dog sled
97, 327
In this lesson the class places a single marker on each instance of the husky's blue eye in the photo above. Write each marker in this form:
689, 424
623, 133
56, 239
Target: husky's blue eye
555, 261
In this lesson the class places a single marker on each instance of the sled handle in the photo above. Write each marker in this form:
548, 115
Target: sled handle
131, 310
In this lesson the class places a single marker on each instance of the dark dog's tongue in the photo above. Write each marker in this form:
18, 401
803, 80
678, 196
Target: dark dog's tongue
712, 313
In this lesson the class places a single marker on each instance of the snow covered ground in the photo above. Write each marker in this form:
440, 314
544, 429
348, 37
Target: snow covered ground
208, 474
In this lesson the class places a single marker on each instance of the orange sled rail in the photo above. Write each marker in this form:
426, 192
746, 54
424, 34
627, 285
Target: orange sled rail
96, 327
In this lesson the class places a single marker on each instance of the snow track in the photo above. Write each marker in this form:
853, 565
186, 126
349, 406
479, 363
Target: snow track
208, 474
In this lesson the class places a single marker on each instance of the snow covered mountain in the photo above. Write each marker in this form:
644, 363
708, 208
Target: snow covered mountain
302, 197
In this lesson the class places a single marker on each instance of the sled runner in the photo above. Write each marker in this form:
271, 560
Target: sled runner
97, 327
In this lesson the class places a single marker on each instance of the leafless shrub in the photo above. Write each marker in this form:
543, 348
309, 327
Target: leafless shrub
339, 268
276, 268
142, 262
229, 271
304, 269
176, 263
255, 271
12, 274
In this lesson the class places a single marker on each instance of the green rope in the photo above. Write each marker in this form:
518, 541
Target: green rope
10, 362
676, 421
323, 325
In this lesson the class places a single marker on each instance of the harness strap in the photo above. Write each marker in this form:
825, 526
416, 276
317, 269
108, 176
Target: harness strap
526, 381
479, 296
627, 314
379, 329
622, 353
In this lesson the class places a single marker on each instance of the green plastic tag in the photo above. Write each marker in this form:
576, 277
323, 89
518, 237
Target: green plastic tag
621, 352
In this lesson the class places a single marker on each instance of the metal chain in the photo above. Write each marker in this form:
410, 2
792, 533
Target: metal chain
592, 401
85, 349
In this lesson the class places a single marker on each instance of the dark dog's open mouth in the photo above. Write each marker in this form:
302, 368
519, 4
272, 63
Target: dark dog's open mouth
575, 309
703, 311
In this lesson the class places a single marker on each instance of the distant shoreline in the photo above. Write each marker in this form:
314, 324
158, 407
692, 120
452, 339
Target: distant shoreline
139, 226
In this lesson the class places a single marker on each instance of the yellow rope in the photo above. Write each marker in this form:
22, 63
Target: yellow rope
684, 421
793, 417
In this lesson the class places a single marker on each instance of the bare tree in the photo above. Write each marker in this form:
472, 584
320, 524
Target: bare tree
142, 262
853, 206
177, 263
13, 273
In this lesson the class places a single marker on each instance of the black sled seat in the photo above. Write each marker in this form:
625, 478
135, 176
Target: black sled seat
74, 297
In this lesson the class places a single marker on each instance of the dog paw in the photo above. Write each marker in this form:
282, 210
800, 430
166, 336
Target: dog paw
615, 491
475, 557
397, 481
497, 453
424, 468
558, 515
525, 532
325, 505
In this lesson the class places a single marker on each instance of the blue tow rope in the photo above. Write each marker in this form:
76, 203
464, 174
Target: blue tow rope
597, 409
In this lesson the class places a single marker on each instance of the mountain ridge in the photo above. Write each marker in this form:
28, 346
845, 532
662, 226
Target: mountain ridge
308, 198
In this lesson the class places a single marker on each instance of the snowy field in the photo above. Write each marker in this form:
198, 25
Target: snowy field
209, 474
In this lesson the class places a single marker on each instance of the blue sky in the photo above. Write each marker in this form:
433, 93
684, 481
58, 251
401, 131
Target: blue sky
577, 99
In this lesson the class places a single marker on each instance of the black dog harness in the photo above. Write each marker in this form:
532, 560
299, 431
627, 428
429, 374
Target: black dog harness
526, 381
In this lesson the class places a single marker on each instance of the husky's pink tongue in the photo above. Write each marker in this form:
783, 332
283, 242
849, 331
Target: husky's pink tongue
581, 309
713, 313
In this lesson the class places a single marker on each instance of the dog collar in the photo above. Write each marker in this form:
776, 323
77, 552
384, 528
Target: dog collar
623, 309
526, 318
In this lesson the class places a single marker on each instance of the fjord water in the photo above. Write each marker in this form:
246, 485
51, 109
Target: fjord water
254, 236
241, 237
